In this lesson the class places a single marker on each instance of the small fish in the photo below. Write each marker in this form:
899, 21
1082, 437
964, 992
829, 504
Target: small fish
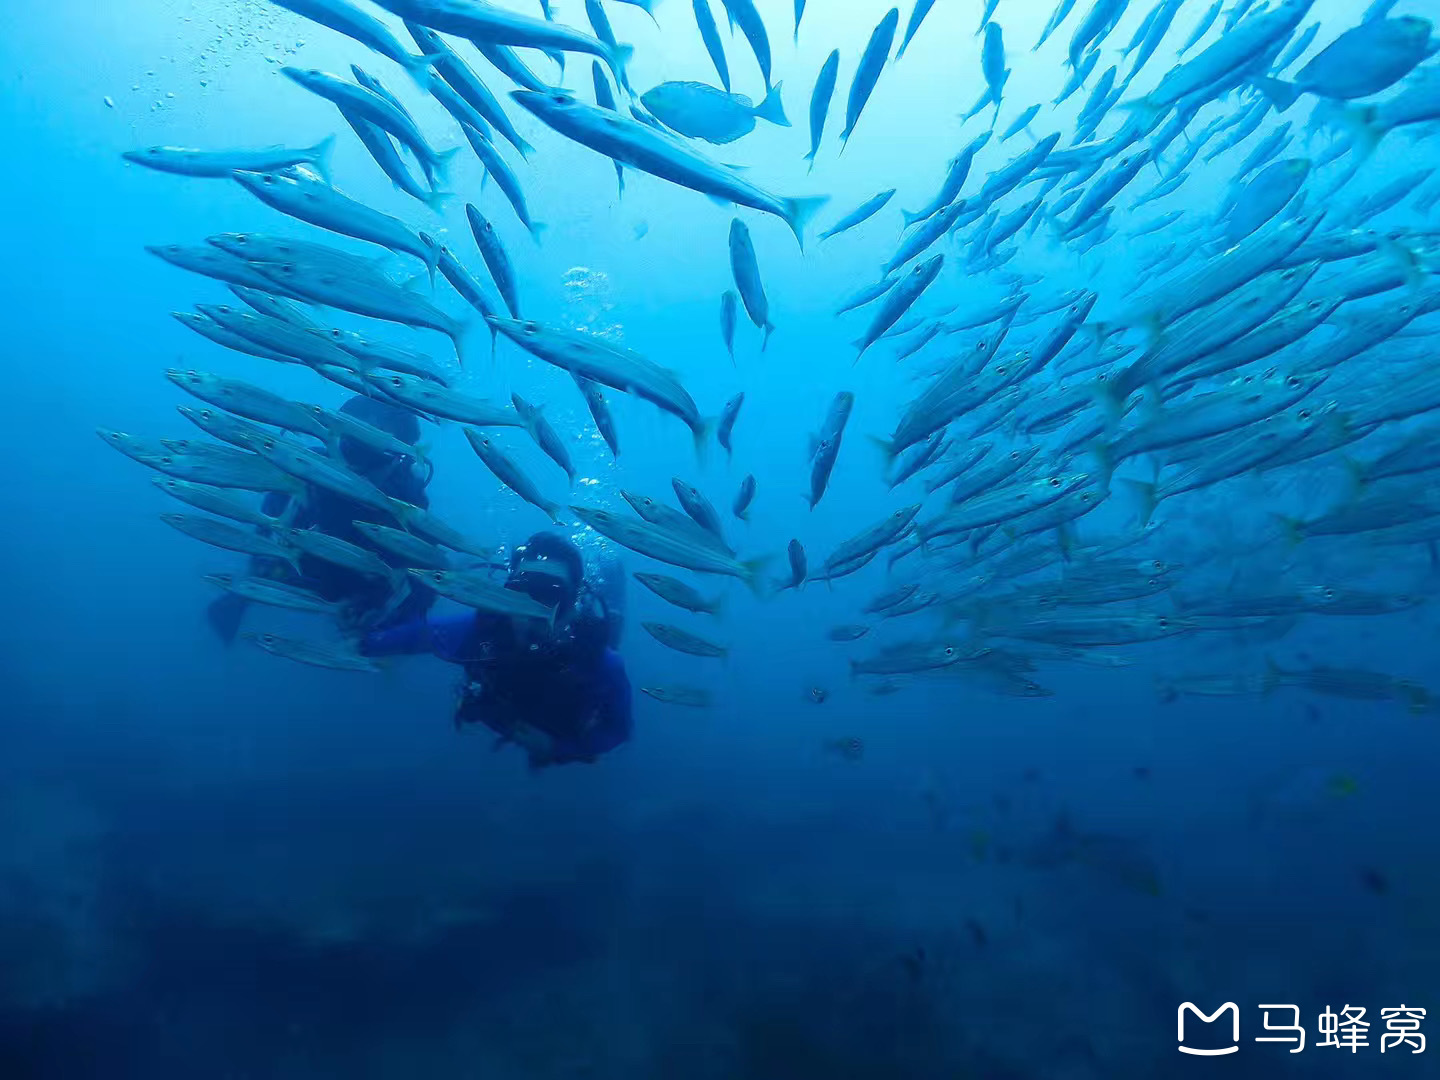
344, 17
672, 637
747, 279
1021, 122
510, 474
401, 544
478, 590
495, 258
691, 696
877, 51
744, 497
698, 111
673, 547
743, 13
798, 568
677, 592
184, 161
820, 101
817, 695
545, 435
268, 591
863, 212
314, 653
697, 506
848, 632
711, 36
917, 16
850, 747
724, 430
600, 413
229, 536
728, 302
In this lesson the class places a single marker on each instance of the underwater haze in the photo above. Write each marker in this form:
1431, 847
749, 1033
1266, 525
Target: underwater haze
1045, 640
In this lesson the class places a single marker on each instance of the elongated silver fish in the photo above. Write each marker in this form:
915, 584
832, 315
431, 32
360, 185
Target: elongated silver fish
674, 548
409, 549
476, 590
484, 22
251, 402
317, 202
877, 51
231, 537
184, 161
379, 300
313, 653
272, 593
610, 365
672, 637
747, 279
510, 474
674, 591
659, 154
213, 500
349, 20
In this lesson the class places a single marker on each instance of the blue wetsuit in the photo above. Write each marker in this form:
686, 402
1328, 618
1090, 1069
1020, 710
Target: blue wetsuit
572, 687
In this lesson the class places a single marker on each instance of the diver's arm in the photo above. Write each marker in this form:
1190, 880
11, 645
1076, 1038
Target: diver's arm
443, 635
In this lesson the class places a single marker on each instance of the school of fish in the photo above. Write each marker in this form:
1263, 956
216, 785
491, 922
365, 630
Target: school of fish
1274, 348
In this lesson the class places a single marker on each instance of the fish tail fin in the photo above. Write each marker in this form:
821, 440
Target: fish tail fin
810, 157
320, 156
442, 162
552, 511
619, 61
1357, 122
537, 228
752, 575
768, 328
1280, 94
701, 431
1145, 493
888, 453
1104, 458
457, 335
799, 211
1403, 259
437, 200
772, 108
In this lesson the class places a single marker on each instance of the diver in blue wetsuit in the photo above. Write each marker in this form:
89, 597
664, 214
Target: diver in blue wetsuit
368, 598
559, 692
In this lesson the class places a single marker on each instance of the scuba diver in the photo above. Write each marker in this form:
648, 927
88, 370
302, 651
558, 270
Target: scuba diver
369, 599
560, 692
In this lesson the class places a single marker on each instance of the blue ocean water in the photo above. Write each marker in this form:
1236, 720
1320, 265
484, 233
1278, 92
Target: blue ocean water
213, 861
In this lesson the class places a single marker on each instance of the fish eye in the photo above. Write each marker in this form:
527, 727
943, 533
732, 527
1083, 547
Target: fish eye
1304, 414
1054, 481
268, 444
1328, 593
1163, 623
1292, 382
531, 328
949, 650
438, 576
559, 99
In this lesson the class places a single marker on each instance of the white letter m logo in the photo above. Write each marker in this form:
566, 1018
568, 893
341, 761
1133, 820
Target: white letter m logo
1235, 1025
